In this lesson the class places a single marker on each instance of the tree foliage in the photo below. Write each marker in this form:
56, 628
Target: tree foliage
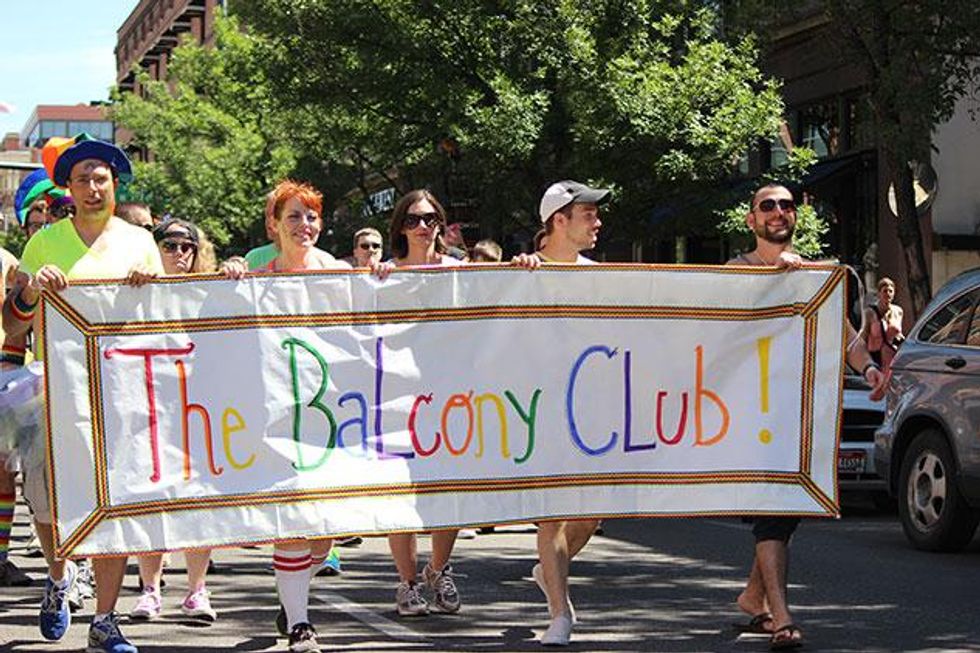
641, 95
217, 145
920, 58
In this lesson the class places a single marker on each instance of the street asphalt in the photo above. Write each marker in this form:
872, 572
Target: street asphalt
645, 585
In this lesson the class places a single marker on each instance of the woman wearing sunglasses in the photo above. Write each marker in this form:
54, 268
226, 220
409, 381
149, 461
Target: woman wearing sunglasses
179, 242
417, 225
181, 247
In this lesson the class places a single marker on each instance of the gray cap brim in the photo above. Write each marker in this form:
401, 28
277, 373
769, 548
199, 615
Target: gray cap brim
592, 196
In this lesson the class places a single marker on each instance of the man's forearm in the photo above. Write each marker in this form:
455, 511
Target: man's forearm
18, 311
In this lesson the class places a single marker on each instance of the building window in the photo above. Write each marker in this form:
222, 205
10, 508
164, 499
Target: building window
819, 128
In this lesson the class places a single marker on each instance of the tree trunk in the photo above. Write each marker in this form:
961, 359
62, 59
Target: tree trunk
909, 232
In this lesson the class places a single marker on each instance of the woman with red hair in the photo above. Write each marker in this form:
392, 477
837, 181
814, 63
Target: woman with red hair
295, 218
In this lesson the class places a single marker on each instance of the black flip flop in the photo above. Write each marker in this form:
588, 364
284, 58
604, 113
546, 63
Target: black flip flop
755, 625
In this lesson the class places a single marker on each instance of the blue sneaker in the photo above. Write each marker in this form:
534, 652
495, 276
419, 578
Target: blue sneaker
55, 616
331, 564
104, 637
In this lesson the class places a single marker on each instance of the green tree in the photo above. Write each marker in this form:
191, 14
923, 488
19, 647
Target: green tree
642, 95
217, 144
921, 58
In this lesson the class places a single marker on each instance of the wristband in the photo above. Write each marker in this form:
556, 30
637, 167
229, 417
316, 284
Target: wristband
13, 354
864, 372
22, 310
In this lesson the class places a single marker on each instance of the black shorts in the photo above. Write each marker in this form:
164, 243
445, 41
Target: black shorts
774, 528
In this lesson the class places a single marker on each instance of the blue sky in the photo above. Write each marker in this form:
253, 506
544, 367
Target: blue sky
56, 52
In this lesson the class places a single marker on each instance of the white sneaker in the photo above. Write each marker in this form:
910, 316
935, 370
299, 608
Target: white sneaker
559, 633
198, 606
409, 600
446, 596
466, 534
149, 606
537, 573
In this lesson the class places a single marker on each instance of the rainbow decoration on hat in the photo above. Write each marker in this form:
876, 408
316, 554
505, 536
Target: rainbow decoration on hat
37, 185
61, 154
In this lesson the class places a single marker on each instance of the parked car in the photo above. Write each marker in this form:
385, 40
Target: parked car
928, 448
856, 469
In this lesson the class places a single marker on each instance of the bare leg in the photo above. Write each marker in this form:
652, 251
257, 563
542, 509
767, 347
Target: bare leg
109, 573
442, 548
151, 569
321, 548
578, 533
45, 535
404, 550
553, 554
197, 568
752, 600
772, 558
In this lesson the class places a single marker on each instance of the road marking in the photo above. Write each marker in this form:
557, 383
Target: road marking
385, 626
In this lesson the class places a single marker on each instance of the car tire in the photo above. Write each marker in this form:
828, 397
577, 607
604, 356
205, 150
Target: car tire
934, 515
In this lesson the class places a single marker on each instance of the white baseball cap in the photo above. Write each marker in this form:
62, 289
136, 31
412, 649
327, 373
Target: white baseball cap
563, 193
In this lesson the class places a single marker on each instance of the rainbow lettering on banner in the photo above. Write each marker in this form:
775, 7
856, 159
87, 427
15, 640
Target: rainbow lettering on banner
485, 416
213, 413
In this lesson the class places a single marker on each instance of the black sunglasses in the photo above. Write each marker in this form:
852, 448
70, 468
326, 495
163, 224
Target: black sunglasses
171, 246
367, 246
770, 205
413, 220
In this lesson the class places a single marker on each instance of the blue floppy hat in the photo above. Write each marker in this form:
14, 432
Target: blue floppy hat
36, 185
66, 153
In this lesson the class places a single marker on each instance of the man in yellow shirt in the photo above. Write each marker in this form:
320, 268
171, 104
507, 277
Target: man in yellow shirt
93, 244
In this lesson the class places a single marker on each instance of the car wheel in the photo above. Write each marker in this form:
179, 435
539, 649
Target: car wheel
933, 513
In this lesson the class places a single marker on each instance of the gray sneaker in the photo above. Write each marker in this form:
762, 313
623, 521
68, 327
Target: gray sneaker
86, 580
443, 587
409, 600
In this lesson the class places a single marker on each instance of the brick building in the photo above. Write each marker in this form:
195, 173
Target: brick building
151, 32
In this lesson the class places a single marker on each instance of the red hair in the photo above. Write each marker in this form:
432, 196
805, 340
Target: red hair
288, 189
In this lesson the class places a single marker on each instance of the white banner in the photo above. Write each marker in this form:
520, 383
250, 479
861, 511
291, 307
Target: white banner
202, 411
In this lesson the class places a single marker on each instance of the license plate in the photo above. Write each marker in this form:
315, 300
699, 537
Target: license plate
850, 462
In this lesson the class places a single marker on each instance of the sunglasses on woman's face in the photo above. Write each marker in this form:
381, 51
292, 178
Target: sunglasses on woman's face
412, 220
770, 205
183, 246
367, 245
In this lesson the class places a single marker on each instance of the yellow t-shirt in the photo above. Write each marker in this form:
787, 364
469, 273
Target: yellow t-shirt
119, 249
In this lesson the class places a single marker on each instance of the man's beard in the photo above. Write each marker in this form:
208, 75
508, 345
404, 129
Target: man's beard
780, 238
107, 209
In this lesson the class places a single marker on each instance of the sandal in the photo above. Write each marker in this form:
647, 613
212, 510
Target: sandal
785, 638
757, 625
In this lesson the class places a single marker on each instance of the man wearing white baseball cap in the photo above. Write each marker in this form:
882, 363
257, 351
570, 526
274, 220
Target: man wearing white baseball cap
570, 213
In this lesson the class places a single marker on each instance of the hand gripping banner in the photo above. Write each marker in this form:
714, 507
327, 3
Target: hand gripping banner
204, 412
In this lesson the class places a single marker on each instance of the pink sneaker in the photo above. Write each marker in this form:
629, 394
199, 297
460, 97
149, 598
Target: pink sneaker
149, 606
198, 606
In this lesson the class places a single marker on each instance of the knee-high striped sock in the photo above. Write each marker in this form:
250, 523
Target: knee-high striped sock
6, 519
293, 582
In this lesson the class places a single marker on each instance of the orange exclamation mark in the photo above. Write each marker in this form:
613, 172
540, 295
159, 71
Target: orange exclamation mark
765, 435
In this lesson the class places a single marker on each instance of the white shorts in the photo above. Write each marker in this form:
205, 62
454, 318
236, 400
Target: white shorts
36, 493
